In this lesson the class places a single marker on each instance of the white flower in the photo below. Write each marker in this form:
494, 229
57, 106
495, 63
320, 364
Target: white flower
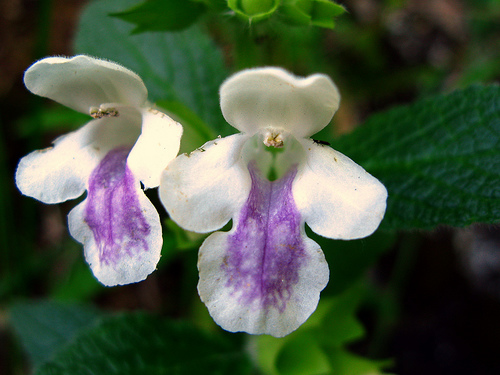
127, 143
265, 275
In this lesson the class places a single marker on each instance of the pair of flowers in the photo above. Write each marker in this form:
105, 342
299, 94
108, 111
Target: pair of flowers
264, 275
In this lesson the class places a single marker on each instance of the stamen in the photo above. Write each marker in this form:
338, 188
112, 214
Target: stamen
273, 139
103, 112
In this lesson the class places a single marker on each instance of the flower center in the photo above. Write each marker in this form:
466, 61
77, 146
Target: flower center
273, 138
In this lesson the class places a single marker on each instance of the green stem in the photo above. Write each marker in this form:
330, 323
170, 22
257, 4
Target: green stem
246, 52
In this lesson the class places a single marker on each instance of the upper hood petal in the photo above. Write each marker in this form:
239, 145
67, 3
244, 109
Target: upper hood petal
82, 82
272, 97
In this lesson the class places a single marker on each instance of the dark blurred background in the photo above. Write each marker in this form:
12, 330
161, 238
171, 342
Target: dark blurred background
385, 53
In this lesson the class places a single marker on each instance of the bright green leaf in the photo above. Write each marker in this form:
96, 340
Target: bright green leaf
332, 326
141, 344
302, 355
162, 15
340, 324
323, 13
185, 66
268, 348
311, 12
46, 326
439, 158
308, 351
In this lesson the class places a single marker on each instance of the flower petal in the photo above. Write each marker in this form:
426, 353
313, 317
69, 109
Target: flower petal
157, 145
60, 172
265, 275
272, 97
201, 191
118, 226
83, 82
337, 198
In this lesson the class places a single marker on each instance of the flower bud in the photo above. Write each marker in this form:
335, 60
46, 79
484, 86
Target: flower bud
253, 7
254, 10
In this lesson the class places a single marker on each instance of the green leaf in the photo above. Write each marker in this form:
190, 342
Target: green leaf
196, 131
439, 158
323, 13
57, 119
311, 12
345, 363
312, 349
144, 344
185, 67
302, 355
162, 15
340, 325
46, 326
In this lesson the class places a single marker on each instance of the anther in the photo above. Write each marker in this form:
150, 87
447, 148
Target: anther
273, 139
103, 112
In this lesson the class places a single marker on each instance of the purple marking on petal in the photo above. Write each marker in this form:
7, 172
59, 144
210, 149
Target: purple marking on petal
266, 250
113, 212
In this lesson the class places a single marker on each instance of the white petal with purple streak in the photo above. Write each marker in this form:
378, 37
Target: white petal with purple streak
265, 275
117, 224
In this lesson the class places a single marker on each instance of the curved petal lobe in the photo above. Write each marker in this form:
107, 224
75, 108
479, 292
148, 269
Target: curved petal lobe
60, 172
265, 275
337, 198
271, 97
82, 82
118, 226
202, 190
157, 145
